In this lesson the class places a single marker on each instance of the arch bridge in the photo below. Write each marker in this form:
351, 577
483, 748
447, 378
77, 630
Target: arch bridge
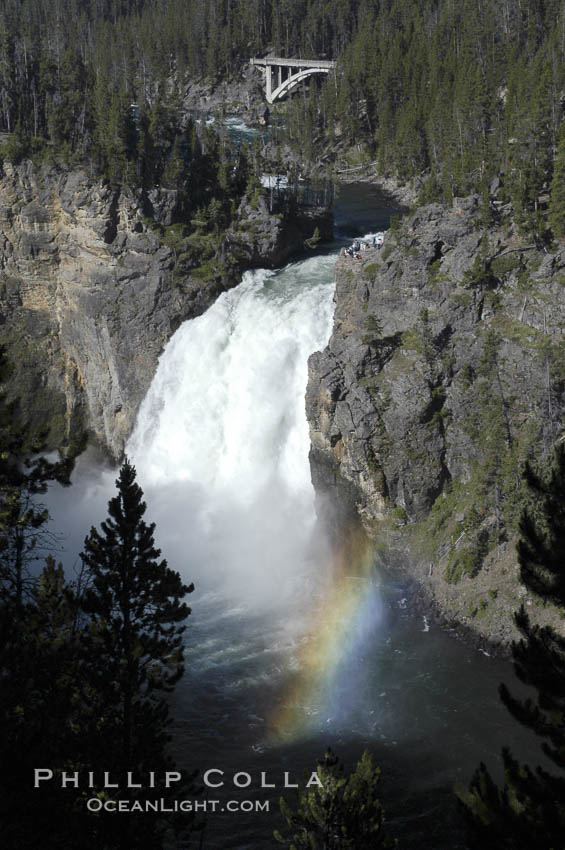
283, 75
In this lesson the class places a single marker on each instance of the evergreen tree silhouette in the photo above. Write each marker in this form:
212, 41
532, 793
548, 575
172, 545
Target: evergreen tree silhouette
136, 610
529, 811
342, 812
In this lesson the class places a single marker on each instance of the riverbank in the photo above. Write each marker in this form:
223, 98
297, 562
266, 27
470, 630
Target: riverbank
403, 195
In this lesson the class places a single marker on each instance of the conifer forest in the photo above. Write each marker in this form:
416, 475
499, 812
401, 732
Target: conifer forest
452, 90
356, 460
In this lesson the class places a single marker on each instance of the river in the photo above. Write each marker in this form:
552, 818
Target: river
287, 654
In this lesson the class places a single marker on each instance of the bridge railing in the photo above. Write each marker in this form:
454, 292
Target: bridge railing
293, 63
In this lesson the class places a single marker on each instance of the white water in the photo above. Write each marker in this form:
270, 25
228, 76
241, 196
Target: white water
427, 707
221, 441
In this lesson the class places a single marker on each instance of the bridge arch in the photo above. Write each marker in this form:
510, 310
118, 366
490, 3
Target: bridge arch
283, 74
292, 81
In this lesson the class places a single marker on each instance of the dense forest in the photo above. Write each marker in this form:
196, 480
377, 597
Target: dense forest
457, 92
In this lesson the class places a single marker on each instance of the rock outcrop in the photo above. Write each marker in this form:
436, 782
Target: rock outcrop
445, 370
91, 290
243, 95
261, 239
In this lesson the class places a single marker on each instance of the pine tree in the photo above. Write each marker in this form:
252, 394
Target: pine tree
529, 811
24, 475
174, 168
135, 602
557, 201
135, 634
40, 696
339, 812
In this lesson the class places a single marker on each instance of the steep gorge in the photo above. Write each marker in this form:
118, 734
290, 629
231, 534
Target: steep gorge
91, 289
444, 372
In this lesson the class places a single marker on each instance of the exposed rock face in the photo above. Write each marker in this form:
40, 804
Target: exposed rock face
242, 95
89, 295
445, 369
261, 239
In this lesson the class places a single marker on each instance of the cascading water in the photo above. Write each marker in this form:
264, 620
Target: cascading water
221, 449
221, 443
287, 652
221, 440
226, 407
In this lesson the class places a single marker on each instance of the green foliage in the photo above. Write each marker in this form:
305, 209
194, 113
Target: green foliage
411, 339
314, 240
428, 94
84, 667
206, 272
24, 476
419, 93
371, 269
435, 274
381, 346
557, 204
83, 672
386, 251
339, 812
38, 626
467, 560
461, 298
430, 191
481, 275
529, 811
504, 265
400, 515
419, 338
39, 690
374, 330
492, 497
467, 375
94, 94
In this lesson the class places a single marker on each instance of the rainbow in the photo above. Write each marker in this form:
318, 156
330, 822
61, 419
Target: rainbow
344, 616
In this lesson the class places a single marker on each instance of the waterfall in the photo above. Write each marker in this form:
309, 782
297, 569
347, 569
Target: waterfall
221, 448
221, 440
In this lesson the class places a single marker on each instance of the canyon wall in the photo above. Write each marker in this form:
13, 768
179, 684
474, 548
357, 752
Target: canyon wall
92, 288
445, 371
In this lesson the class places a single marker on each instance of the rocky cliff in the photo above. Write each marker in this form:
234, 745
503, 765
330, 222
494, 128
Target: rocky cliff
93, 282
444, 372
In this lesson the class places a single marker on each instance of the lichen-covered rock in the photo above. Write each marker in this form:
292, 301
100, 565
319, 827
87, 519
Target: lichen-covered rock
444, 371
